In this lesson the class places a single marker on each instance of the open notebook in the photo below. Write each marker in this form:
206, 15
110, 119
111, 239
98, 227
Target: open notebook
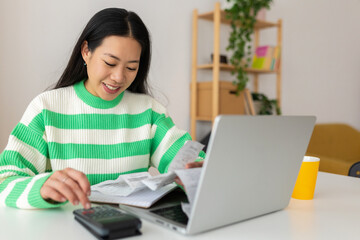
144, 198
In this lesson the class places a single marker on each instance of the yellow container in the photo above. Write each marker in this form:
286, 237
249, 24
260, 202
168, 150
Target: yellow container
305, 184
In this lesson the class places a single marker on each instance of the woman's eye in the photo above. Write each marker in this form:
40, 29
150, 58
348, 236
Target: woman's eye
109, 64
131, 69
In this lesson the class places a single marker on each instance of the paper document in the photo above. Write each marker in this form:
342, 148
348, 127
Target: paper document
190, 178
156, 182
124, 185
188, 153
144, 198
131, 188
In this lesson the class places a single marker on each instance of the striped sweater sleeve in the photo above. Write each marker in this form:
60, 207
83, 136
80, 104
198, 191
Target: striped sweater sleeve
167, 141
24, 164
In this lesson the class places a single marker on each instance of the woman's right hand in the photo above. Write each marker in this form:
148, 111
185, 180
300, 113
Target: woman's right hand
68, 184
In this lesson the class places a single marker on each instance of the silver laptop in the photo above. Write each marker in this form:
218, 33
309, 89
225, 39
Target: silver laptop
250, 169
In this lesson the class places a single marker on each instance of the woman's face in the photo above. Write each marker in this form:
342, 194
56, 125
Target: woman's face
112, 67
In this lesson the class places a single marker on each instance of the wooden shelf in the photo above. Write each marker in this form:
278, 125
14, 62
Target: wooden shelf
222, 66
258, 25
260, 71
199, 118
227, 67
209, 99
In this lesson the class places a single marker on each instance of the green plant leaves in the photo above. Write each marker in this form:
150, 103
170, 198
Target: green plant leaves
242, 15
267, 105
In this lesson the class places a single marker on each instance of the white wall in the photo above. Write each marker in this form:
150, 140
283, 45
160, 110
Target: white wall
321, 58
321, 54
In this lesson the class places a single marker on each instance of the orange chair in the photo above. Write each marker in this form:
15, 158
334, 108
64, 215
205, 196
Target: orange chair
338, 147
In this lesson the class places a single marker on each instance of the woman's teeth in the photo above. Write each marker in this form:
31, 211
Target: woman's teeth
110, 87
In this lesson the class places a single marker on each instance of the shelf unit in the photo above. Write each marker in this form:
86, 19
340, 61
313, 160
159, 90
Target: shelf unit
209, 99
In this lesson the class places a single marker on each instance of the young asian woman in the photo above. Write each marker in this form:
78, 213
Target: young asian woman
97, 123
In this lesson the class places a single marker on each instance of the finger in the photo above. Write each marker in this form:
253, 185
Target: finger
80, 194
194, 164
50, 193
58, 180
81, 179
59, 184
178, 181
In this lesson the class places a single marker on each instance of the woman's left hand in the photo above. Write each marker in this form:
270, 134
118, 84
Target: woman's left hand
187, 166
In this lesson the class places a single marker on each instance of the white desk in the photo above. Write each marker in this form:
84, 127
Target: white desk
333, 214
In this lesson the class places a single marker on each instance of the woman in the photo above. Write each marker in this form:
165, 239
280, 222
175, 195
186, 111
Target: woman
98, 122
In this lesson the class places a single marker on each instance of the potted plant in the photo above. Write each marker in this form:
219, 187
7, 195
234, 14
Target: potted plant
265, 105
242, 14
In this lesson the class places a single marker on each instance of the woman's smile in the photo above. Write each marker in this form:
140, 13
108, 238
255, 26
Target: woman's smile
110, 89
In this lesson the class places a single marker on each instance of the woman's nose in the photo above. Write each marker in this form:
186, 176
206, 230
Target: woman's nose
118, 76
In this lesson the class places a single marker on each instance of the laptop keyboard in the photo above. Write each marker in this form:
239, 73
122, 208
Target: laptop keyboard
174, 213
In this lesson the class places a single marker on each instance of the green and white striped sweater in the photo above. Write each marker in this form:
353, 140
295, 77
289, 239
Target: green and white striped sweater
69, 127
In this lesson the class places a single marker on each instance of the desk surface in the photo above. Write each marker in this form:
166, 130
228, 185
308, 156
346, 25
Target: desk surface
333, 214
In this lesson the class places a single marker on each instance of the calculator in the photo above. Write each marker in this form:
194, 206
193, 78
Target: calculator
107, 222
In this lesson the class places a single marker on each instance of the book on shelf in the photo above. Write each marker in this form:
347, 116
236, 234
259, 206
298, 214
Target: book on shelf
276, 59
266, 58
262, 57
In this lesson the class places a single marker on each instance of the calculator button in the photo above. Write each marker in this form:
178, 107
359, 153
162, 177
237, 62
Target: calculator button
88, 212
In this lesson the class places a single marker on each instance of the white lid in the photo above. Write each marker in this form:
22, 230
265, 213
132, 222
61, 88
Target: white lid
311, 159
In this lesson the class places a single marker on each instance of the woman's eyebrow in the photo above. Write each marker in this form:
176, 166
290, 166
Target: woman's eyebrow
111, 55
115, 57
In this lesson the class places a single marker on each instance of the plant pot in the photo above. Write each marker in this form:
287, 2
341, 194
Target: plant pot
257, 106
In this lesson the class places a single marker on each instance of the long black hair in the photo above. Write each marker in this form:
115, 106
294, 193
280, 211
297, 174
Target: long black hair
110, 22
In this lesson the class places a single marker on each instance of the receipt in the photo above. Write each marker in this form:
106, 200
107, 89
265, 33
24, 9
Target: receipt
116, 187
188, 153
157, 182
135, 179
190, 178
123, 186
